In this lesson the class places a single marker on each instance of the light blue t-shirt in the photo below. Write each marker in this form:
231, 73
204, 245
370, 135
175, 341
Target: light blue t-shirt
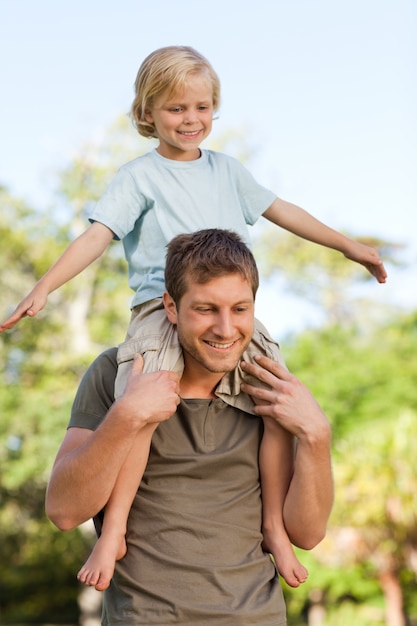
152, 199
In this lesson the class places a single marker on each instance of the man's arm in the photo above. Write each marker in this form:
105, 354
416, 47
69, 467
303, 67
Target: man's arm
309, 500
88, 462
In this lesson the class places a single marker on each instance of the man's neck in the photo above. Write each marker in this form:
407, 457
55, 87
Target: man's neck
197, 386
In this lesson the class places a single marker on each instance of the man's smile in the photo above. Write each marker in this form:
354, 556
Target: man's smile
220, 346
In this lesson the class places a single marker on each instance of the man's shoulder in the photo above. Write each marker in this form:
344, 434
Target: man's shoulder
95, 394
107, 360
100, 376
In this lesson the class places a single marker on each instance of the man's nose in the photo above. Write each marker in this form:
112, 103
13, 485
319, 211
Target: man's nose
224, 325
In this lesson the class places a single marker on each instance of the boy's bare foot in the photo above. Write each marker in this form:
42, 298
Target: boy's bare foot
293, 572
98, 570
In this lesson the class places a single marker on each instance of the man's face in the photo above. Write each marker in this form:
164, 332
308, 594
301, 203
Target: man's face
214, 322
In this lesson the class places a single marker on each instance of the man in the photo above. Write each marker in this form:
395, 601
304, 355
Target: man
194, 543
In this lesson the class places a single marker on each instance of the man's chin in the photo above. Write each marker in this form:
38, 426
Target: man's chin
223, 367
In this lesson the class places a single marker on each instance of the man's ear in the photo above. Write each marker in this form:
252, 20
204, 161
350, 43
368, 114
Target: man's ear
170, 307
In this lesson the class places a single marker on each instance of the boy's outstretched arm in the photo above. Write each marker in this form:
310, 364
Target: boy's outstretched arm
299, 222
79, 254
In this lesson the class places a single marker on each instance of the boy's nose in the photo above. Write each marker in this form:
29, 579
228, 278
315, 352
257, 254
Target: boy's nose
190, 117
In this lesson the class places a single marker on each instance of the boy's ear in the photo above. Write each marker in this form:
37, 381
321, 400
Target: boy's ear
170, 307
148, 116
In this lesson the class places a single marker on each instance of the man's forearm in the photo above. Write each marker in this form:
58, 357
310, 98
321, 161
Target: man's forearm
84, 474
309, 500
88, 463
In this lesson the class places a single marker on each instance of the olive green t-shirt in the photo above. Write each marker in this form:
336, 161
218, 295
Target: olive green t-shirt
194, 531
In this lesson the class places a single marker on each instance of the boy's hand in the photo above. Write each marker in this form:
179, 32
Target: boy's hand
369, 258
28, 307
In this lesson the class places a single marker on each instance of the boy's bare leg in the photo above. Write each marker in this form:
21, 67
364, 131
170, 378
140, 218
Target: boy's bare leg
98, 570
276, 465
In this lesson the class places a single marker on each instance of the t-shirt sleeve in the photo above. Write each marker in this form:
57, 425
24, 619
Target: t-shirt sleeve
95, 394
121, 205
255, 198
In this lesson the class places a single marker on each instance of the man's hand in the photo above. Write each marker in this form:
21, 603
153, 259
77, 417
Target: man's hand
288, 401
309, 498
149, 398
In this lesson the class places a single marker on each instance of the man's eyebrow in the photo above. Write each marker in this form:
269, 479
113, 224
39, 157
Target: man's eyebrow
211, 303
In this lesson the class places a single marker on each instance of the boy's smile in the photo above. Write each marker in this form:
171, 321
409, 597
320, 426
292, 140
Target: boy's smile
184, 120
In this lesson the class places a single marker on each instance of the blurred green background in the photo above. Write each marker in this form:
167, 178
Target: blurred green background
359, 361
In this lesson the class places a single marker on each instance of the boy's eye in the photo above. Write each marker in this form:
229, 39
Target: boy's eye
175, 109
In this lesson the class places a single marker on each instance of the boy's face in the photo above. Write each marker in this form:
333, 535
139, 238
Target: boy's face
185, 120
215, 323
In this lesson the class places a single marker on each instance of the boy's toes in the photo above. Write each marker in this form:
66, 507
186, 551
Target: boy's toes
102, 583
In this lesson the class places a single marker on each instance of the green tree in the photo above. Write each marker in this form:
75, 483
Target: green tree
41, 362
375, 513
36, 565
366, 383
359, 378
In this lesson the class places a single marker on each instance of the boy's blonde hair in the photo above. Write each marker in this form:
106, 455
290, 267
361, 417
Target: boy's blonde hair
166, 71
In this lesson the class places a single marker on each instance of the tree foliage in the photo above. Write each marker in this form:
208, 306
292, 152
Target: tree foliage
366, 383
364, 380
41, 362
359, 378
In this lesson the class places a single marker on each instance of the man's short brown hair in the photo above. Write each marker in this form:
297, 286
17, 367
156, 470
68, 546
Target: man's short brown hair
204, 255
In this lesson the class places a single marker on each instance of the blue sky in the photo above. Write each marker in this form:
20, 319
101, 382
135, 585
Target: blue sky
326, 91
